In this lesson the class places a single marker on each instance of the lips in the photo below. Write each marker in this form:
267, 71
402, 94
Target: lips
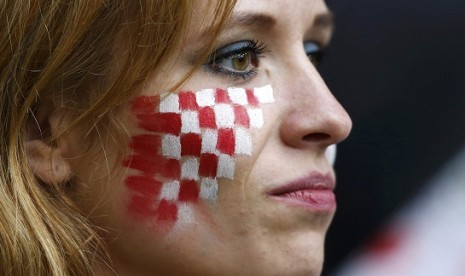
313, 192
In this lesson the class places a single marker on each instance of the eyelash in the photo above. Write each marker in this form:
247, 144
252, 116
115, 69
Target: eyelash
253, 48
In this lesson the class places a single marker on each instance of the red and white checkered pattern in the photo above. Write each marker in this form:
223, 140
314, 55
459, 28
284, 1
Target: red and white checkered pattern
191, 141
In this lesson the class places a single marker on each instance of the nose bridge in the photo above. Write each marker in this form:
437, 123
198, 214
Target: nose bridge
314, 116
310, 87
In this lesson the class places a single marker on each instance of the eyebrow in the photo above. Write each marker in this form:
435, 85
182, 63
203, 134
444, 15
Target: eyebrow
321, 21
248, 19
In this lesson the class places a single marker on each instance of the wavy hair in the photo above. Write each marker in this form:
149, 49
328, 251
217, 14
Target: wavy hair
62, 53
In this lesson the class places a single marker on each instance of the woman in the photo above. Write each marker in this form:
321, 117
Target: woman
165, 138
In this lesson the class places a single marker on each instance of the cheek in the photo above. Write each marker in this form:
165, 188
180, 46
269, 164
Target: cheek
188, 142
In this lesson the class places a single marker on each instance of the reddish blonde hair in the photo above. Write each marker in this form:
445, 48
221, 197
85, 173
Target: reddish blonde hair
57, 54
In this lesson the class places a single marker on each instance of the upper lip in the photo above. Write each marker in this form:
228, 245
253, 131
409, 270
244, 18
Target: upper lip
312, 181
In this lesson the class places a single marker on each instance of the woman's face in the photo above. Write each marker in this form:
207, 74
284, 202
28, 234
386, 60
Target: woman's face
220, 181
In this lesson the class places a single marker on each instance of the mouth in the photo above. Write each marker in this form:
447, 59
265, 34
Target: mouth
313, 192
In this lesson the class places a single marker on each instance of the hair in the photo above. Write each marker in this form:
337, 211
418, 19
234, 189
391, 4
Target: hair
57, 54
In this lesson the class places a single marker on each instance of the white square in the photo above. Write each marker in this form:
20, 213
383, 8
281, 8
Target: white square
185, 214
224, 115
190, 168
264, 94
226, 166
209, 141
170, 191
238, 95
209, 189
243, 142
256, 117
171, 146
190, 122
205, 97
170, 103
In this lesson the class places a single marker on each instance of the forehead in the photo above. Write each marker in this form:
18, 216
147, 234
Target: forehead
285, 10
303, 13
280, 4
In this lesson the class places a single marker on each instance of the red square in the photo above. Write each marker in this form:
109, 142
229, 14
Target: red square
167, 211
208, 165
188, 191
253, 101
144, 185
222, 96
207, 118
226, 142
161, 122
187, 101
171, 169
154, 165
191, 144
145, 104
148, 164
142, 206
146, 144
241, 117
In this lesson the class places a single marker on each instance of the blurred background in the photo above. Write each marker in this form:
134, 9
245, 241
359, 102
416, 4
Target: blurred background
398, 67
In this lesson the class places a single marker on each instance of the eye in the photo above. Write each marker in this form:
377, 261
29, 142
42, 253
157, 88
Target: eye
239, 59
314, 52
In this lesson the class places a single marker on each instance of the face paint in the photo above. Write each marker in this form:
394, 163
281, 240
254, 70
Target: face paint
191, 140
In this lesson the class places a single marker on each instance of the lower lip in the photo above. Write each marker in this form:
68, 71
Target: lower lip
318, 200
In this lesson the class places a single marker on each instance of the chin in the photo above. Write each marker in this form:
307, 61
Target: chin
308, 258
292, 254
309, 268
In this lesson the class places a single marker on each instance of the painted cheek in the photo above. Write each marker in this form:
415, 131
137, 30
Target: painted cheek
189, 141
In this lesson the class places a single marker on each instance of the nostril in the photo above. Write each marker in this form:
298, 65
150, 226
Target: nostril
316, 137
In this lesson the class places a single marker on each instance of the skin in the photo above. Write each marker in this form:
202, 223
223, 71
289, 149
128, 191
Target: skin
245, 232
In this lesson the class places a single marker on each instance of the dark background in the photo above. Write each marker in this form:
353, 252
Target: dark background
398, 67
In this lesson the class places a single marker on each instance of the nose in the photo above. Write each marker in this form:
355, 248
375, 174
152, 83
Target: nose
313, 118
